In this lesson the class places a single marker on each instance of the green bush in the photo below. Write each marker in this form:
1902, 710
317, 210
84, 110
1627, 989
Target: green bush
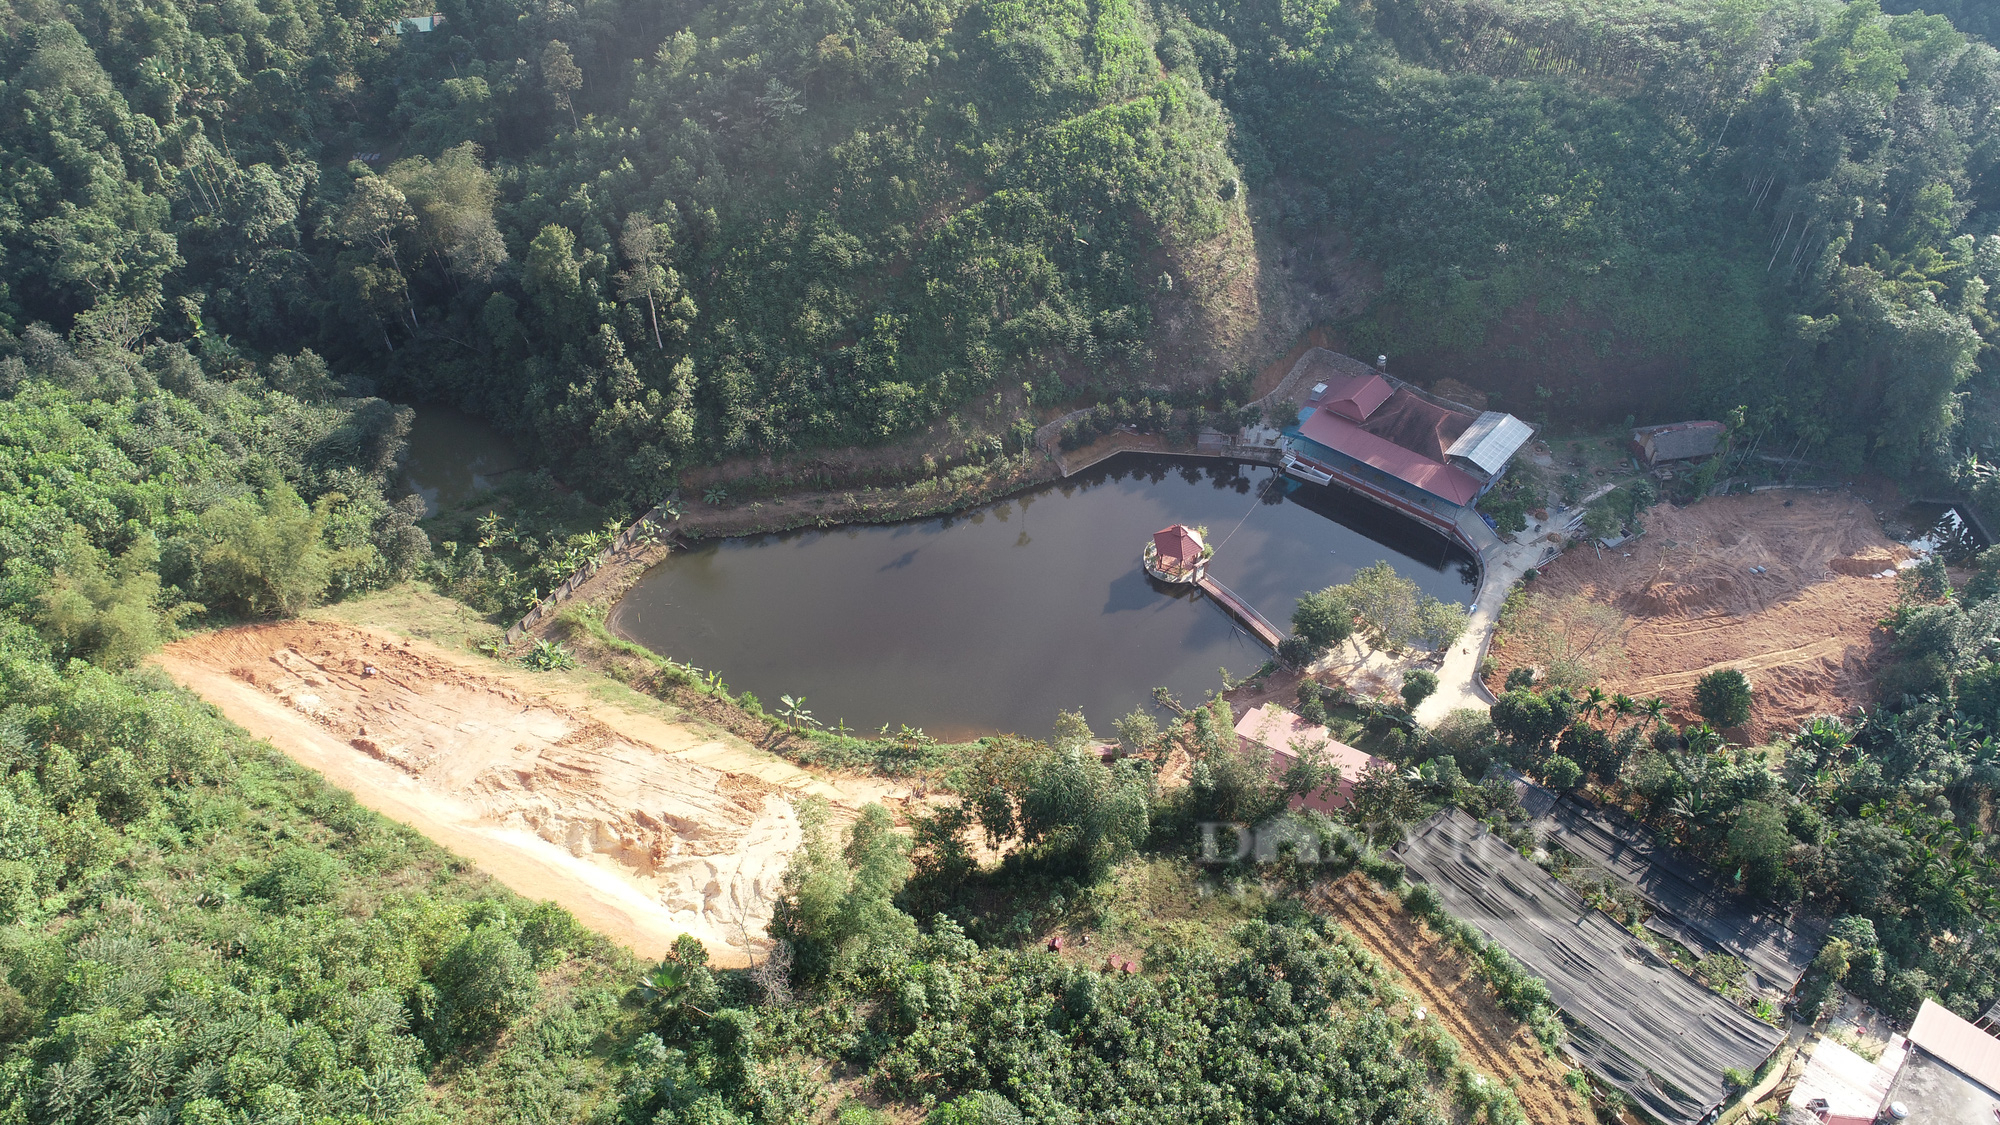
1418, 685
982, 1108
1561, 774
481, 984
269, 556
1723, 698
298, 876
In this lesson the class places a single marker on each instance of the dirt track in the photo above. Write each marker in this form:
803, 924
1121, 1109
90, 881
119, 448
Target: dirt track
1494, 1042
642, 828
1803, 630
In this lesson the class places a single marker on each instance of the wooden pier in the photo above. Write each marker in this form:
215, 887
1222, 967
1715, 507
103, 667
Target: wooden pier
1241, 610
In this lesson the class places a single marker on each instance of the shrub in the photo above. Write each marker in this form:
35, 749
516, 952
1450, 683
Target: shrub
982, 1108
1312, 705
1418, 685
1723, 698
299, 876
481, 984
549, 933
549, 656
269, 556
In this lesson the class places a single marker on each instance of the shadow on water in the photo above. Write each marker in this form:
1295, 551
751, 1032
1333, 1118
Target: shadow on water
1939, 528
996, 618
453, 457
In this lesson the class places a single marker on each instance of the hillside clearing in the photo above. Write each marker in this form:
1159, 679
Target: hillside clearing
643, 828
1803, 630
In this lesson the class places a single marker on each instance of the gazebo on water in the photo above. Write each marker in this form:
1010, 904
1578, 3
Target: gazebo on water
1177, 554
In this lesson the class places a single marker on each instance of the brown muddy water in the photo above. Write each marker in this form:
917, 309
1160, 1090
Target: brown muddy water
453, 457
997, 618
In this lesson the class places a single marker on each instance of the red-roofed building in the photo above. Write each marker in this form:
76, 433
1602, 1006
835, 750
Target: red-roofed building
1384, 456
1176, 554
1284, 735
1424, 456
1357, 396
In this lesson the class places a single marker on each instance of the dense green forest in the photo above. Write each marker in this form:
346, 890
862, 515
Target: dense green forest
193, 928
648, 237
655, 235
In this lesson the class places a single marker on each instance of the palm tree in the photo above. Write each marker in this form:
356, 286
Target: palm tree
1624, 706
1702, 739
1654, 708
1592, 703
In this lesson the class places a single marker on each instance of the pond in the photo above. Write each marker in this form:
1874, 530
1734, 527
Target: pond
453, 457
1935, 528
996, 618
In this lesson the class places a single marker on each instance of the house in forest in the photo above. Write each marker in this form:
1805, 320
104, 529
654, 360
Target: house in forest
1425, 456
1676, 441
1272, 729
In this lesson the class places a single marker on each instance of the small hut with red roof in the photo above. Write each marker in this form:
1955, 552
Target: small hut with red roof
1176, 554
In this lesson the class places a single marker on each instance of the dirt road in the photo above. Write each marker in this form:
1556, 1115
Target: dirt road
644, 829
1787, 592
1494, 1042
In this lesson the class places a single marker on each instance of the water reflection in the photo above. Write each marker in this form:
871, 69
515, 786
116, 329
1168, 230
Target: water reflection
974, 625
453, 457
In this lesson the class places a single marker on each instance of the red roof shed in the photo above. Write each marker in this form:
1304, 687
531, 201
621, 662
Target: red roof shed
1178, 547
1407, 465
1358, 397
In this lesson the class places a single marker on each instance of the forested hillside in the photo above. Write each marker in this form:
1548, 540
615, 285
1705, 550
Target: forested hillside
653, 235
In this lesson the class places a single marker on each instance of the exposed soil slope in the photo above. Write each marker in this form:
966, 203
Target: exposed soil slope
1495, 1042
1803, 630
642, 828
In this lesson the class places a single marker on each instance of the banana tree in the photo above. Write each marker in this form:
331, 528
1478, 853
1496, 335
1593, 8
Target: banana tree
793, 712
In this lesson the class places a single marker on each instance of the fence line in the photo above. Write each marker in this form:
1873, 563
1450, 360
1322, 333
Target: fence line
661, 513
1049, 434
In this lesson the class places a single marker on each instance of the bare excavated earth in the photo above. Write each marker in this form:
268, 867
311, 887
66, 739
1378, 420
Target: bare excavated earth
642, 828
1804, 629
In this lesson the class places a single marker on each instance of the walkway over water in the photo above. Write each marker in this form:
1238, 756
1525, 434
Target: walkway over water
997, 618
1241, 610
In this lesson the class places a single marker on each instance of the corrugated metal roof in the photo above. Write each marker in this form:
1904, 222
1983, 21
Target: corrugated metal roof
1942, 1033
1491, 440
1850, 1087
1680, 440
1408, 466
1279, 730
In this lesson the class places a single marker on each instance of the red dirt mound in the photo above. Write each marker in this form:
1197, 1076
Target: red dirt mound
1788, 592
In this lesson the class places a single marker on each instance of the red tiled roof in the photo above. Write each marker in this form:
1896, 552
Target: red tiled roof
1177, 544
1275, 729
1412, 423
1409, 466
1358, 397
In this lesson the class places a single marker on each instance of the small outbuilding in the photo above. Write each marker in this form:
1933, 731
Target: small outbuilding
1284, 735
1945, 1071
1176, 554
1677, 441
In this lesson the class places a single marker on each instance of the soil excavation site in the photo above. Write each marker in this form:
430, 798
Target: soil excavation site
1802, 625
642, 828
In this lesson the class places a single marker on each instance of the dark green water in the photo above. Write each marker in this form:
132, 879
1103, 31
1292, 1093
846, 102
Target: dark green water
995, 619
453, 457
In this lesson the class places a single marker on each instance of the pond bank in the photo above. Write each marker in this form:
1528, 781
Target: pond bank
993, 619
